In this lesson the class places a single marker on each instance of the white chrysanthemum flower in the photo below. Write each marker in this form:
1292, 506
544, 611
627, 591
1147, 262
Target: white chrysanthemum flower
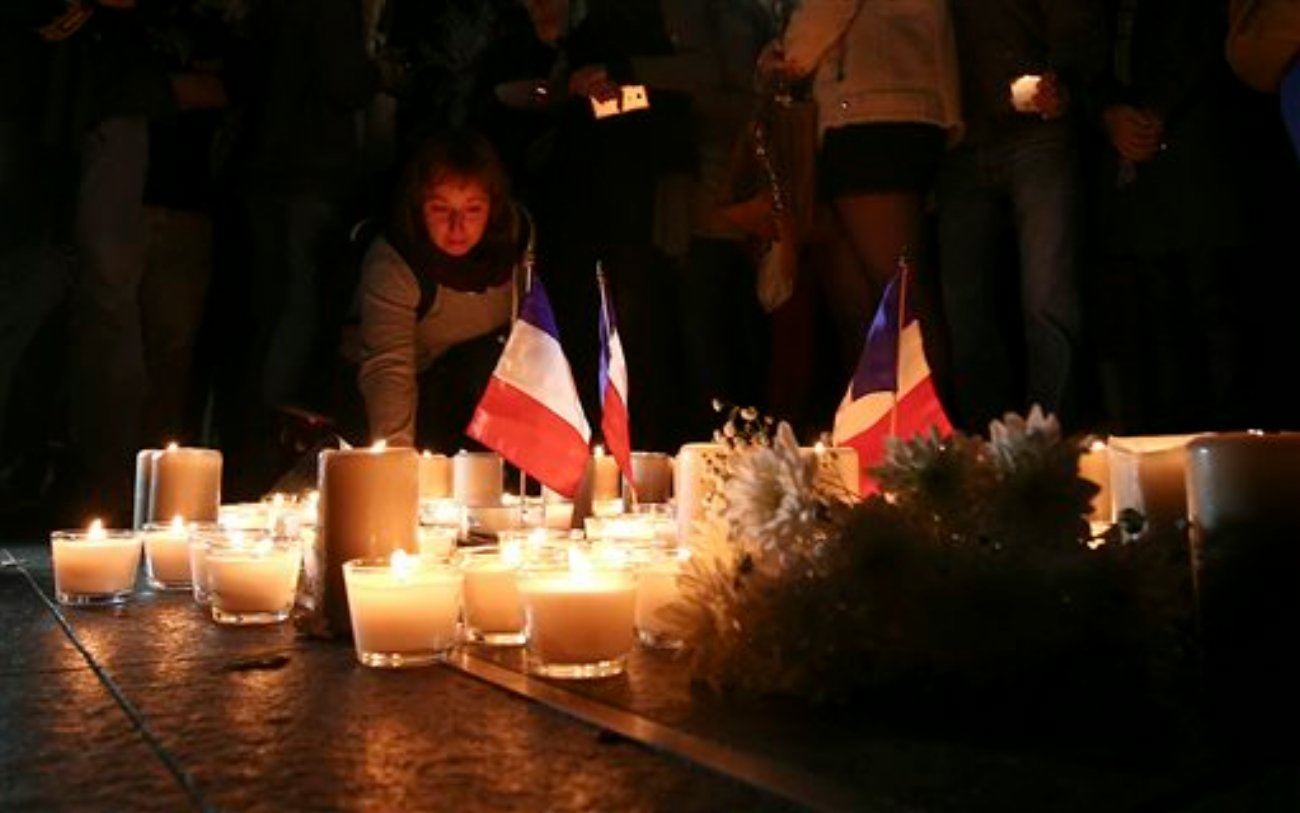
771, 496
1012, 434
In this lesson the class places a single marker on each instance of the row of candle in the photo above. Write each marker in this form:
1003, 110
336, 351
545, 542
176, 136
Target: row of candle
577, 619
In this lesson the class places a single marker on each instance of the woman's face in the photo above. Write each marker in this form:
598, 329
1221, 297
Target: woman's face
456, 213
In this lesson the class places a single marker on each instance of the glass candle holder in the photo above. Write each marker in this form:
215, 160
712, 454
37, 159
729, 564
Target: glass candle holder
251, 580
404, 611
167, 555
200, 535
438, 541
489, 520
494, 614
657, 588
94, 566
578, 620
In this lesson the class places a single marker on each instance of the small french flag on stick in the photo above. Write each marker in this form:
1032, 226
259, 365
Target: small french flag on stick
530, 412
891, 394
613, 384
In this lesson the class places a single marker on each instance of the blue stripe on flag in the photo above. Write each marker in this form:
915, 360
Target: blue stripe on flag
536, 309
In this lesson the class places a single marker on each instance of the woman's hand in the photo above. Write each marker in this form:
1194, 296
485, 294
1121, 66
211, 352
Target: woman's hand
773, 64
593, 82
1051, 98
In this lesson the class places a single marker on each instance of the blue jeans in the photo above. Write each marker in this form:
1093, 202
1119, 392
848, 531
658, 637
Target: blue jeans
1028, 183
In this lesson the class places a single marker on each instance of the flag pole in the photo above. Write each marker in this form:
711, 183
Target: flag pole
530, 258
903, 267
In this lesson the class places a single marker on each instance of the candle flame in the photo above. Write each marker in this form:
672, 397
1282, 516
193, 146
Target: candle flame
512, 552
178, 523
96, 529
683, 554
172, 446
579, 564
379, 446
598, 451
402, 565
277, 500
1098, 445
819, 448
1255, 432
426, 453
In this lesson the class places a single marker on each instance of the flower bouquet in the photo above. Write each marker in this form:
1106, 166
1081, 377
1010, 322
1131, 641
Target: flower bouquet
971, 578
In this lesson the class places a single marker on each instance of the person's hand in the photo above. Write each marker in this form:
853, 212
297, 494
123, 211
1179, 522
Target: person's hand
593, 82
1134, 133
1051, 98
773, 64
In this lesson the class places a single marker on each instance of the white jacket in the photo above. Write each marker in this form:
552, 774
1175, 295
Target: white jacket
878, 61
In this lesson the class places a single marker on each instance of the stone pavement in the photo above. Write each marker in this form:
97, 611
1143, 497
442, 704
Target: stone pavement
152, 706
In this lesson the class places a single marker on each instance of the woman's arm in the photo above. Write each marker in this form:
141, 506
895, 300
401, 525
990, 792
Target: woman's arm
815, 26
387, 376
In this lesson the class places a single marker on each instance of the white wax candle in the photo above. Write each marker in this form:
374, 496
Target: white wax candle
437, 541
1094, 466
694, 483
842, 460
1148, 474
477, 478
167, 554
94, 565
605, 482
653, 474
143, 486
493, 611
252, 583
576, 617
1023, 90
369, 507
627, 527
435, 476
408, 608
656, 588
186, 482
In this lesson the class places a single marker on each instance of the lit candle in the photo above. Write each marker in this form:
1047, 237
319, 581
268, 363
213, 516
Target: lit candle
579, 620
1148, 475
251, 581
490, 520
404, 610
653, 475
494, 614
437, 541
95, 566
695, 482
656, 589
435, 476
477, 478
187, 482
1023, 90
167, 555
627, 528
1094, 466
369, 507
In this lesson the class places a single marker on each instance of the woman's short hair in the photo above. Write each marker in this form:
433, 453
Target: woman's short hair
452, 155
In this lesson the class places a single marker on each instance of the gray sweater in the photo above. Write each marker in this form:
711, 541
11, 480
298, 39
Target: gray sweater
395, 349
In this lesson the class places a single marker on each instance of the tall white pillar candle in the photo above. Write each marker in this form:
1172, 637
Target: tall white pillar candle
435, 476
841, 461
695, 482
605, 482
185, 481
477, 478
653, 476
1094, 466
369, 507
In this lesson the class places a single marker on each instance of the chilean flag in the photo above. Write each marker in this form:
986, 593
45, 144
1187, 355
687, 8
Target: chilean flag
613, 385
530, 412
891, 393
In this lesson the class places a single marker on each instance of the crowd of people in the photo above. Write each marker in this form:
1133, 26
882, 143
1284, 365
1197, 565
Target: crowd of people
225, 220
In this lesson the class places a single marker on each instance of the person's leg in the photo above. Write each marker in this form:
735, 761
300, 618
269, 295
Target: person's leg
1047, 200
178, 268
971, 221
106, 371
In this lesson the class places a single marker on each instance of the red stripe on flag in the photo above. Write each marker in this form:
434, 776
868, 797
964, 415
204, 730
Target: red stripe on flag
614, 428
530, 436
917, 411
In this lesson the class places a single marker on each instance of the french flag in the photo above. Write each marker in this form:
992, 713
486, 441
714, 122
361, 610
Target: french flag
891, 393
530, 412
613, 385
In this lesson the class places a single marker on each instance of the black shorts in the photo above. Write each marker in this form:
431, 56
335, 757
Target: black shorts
879, 157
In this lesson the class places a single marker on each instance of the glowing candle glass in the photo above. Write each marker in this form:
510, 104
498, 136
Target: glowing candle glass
251, 580
167, 555
95, 566
404, 610
657, 588
578, 619
493, 612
